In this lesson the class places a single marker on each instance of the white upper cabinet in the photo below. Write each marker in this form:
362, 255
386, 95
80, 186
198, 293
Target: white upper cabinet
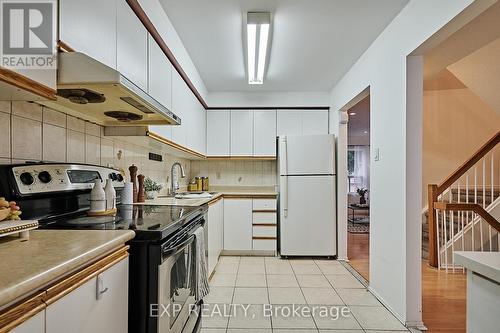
314, 122
159, 74
302, 122
289, 122
197, 125
180, 106
90, 27
241, 132
218, 132
264, 133
132, 46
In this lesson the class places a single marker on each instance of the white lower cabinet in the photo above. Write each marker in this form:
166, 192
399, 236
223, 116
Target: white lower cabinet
35, 324
215, 232
99, 305
238, 224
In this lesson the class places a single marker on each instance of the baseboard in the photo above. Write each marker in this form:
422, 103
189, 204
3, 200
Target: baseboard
265, 253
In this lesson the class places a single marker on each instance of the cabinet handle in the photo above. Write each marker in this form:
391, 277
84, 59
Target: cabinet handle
100, 290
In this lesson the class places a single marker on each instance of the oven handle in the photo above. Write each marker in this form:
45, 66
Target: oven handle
174, 248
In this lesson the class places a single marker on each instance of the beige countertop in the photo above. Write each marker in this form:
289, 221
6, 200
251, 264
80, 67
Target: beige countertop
253, 191
484, 263
48, 255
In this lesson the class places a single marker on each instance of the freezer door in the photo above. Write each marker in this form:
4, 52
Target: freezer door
307, 155
308, 221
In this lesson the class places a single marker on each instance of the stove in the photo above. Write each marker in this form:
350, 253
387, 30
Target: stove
162, 260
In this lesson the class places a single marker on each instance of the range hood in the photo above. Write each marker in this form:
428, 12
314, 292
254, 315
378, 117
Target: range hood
93, 91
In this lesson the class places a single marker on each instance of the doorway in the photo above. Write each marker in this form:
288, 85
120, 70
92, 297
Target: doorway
358, 185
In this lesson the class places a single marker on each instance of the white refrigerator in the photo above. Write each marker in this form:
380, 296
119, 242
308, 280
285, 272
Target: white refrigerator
307, 214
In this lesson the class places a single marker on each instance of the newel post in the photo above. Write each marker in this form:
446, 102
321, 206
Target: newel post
432, 195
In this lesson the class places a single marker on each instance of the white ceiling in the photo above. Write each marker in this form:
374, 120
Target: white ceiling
314, 43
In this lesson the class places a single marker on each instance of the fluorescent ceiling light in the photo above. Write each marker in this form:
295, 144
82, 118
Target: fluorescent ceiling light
352, 113
258, 29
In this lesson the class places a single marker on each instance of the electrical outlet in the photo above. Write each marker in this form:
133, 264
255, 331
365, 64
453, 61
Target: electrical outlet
377, 154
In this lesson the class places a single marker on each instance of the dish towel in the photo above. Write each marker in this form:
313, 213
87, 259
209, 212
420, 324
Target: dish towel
202, 287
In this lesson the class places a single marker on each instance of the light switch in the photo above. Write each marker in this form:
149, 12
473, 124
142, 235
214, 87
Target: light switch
377, 154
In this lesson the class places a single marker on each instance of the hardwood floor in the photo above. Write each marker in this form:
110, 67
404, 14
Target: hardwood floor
358, 247
443, 294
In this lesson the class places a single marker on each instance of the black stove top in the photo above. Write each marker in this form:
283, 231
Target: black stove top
149, 222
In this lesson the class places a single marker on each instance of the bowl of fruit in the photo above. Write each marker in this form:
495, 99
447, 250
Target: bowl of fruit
9, 210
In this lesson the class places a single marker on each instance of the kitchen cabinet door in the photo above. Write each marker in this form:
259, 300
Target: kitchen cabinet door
131, 46
241, 132
264, 133
83, 311
35, 324
238, 224
314, 122
180, 106
197, 126
289, 122
218, 132
90, 27
215, 232
159, 75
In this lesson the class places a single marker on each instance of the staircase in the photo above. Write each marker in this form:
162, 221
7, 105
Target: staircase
464, 209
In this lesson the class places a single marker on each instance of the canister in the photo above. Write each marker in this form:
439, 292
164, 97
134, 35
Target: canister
199, 184
205, 183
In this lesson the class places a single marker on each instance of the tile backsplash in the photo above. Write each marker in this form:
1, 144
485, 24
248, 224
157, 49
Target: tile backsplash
236, 173
30, 132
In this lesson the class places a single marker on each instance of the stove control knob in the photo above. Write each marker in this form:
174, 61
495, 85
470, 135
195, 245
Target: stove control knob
119, 177
113, 176
45, 177
27, 178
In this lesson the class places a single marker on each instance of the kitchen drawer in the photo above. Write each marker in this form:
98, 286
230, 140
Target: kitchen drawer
264, 204
267, 218
264, 244
264, 231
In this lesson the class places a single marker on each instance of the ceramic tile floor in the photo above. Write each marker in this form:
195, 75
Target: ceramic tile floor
255, 295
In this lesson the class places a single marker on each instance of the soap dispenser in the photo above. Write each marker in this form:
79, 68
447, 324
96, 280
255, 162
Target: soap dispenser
97, 197
110, 193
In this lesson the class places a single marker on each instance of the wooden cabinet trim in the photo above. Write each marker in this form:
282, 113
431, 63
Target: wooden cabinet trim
24, 310
214, 200
264, 224
174, 145
264, 211
263, 238
249, 196
25, 83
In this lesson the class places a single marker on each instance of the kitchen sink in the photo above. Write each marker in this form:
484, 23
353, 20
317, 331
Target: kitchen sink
194, 195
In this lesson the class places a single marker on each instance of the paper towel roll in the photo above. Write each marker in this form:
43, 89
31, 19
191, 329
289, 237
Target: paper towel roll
128, 194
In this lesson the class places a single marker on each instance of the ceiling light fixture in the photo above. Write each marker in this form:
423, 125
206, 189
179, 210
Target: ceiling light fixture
258, 29
352, 113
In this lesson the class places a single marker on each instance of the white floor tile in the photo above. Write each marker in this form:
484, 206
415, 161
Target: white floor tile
358, 297
284, 316
334, 269
376, 318
219, 295
286, 296
321, 296
313, 281
293, 330
229, 259
344, 281
283, 281
306, 269
227, 267
341, 331
250, 296
253, 317
249, 330
251, 280
279, 269
223, 280
252, 260
333, 318
251, 269
213, 330
213, 316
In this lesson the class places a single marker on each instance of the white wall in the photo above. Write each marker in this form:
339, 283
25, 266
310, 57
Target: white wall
264, 99
383, 68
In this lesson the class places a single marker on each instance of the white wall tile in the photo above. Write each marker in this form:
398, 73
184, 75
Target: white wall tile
54, 117
27, 110
75, 147
5, 135
5, 161
5, 106
54, 143
92, 149
26, 139
106, 152
75, 124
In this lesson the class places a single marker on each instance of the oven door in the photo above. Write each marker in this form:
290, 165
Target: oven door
176, 288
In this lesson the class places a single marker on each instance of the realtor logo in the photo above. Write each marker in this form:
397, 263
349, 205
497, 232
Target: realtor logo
28, 34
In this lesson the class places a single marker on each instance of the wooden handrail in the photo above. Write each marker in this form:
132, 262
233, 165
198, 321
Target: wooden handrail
433, 192
471, 207
461, 170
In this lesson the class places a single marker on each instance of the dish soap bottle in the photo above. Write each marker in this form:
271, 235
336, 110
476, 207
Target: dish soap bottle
110, 193
97, 197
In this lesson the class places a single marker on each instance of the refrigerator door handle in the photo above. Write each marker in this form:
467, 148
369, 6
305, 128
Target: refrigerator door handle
283, 155
285, 196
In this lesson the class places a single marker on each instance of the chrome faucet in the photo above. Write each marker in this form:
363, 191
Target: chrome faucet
175, 185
